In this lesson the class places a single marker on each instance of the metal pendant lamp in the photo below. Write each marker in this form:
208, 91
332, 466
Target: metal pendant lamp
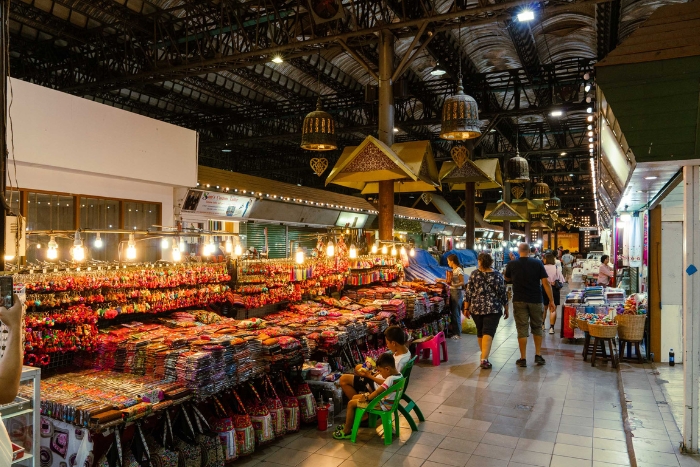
318, 130
517, 168
460, 113
540, 191
553, 203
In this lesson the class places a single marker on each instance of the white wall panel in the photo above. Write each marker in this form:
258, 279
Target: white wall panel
55, 129
671, 289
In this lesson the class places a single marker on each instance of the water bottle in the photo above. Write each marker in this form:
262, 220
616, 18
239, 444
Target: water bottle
331, 412
671, 358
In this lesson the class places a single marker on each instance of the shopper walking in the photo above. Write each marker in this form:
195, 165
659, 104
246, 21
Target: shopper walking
556, 281
567, 260
526, 275
485, 300
455, 279
605, 272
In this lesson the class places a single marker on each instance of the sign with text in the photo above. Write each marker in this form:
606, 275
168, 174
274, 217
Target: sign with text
588, 229
217, 204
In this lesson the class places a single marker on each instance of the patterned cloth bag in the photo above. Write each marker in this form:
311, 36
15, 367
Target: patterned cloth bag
189, 452
291, 407
261, 418
222, 424
245, 433
274, 405
113, 456
212, 450
307, 403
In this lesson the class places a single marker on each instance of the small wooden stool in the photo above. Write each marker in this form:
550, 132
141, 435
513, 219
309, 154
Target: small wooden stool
589, 349
629, 358
614, 359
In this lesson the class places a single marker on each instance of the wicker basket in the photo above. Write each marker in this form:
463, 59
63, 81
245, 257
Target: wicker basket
582, 324
631, 327
603, 331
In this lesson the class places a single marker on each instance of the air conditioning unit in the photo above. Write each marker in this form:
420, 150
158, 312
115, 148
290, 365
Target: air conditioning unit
15, 237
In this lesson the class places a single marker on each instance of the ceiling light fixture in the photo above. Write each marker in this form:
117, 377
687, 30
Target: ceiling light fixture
526, 15
556, 113
651, 177
438, 70
98, 241
277, 59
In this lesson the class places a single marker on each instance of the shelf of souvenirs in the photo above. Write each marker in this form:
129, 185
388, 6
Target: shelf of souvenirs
287, 270
372, 262
156, 276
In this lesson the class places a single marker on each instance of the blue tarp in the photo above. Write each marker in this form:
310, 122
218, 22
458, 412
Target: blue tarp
467, 258
424, 267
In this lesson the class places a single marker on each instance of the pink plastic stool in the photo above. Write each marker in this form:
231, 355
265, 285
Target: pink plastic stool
433, 345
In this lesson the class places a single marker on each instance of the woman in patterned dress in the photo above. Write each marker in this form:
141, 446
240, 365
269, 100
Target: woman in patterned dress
485, 300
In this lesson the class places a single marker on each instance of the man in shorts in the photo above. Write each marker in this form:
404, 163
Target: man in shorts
528, 277
567, 261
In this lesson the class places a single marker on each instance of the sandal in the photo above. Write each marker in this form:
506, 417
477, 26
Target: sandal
341, 435
339, 428
456, 338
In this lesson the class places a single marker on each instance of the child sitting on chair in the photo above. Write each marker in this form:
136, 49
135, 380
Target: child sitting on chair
387, 370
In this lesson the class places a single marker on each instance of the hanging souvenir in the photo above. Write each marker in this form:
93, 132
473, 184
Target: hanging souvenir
319, 164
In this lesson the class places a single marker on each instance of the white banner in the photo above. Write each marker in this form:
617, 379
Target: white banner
217, 204
635, 236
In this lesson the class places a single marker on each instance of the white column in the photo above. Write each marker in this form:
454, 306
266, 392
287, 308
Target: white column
691, 305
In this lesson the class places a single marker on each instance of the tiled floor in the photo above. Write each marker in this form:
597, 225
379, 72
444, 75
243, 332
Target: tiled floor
654, 395
564, 414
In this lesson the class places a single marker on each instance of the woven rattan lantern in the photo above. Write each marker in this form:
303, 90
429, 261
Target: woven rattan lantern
540, 191
517, 170
318, 131
553, 203
460, 116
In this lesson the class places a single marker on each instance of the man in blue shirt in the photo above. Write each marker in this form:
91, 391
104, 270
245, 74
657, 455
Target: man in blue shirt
526, 274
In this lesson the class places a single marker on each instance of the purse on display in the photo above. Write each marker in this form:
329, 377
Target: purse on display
188, 451
261, 418
245, 433
212, 450
274, 405
222, 424
307, 403
291, 407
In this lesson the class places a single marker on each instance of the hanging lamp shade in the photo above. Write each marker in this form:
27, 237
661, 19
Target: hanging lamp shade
517, 170
318, 131
553, 203
540, 191
460, 117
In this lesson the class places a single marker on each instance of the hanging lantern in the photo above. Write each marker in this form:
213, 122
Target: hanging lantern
318, 131
553, 203
517, 170
540, 191
460, 116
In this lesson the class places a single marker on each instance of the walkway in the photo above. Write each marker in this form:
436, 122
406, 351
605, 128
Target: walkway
564, 414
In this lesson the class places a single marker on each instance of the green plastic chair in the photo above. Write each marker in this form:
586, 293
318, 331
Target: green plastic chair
386, 415
410, 403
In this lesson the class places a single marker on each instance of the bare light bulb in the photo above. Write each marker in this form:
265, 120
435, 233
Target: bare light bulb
238, 250
228, 245
177, 256
393, 250
403, 250
412, 252
385, 250
374, 249
131, 248
98, 242
352, 253
38, 246
330, 249
299, 256
78, 250
164, 243
52, 252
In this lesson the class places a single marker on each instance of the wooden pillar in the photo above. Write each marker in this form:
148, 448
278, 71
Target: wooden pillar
655, 282
469, 217
386, 210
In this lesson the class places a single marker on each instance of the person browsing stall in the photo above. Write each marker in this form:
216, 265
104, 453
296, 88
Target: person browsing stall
390, 375
526, 275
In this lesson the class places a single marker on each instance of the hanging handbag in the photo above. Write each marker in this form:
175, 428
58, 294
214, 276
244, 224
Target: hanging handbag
307, 403
245, 433
291, 407
189, 452
113, 456
212, 450
160, 456
222, 424
274, 405
261, 418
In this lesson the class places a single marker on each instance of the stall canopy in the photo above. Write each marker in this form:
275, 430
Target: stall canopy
467, 258
374, 161
418, 157
486, 173
503, 212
